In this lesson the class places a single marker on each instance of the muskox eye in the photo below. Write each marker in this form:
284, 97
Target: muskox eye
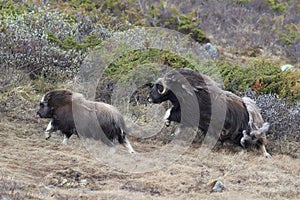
160, 88
41, 105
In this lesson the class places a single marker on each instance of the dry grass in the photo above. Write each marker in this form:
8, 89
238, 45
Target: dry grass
34, 168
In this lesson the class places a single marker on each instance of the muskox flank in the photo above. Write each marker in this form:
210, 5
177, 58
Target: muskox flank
217, 112
90, 117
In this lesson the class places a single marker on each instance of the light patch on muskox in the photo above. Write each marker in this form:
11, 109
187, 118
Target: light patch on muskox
262, 131
176, 132
186, 88
65, 140
264, 151
254, 136
166, 117
244, 138
43, 99
128, 146
48, 130
255, 118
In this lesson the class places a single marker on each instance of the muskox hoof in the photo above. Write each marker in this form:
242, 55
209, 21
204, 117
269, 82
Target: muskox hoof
47, 135
65, 140
167, 123
132, 152
267, 155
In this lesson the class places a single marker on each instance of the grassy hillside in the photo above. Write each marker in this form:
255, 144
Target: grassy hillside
242, 44
44, 44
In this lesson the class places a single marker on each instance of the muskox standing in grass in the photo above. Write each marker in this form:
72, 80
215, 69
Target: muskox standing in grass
221, 113
96, 120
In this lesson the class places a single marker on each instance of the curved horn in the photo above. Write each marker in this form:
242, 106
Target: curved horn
164, 87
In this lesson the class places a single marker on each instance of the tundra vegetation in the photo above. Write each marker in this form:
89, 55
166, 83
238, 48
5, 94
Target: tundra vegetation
44, 43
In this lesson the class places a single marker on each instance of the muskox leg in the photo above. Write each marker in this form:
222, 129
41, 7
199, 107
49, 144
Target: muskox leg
66, 136
48, 130
243, 139
264, 151
260, 134
127, 144
65, 140
253, 140
177, 131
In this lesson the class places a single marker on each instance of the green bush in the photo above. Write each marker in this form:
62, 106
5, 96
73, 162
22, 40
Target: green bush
290, 34
171, 18
39, 41
261, 76
139, 57
9, 8
281, 7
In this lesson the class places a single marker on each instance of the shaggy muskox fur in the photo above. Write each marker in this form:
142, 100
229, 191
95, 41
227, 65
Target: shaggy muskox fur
221, 113
71, 113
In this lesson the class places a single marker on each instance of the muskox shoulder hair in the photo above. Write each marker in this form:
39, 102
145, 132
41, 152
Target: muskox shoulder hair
71, 113
59, 97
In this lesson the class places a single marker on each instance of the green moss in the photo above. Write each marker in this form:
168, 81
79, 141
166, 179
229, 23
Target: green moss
186, 24
52, 39
172, 18
243, 1
290, 33
280, 7
83, 5
199, 35
9, 8
137, 58
70, 43
153, 60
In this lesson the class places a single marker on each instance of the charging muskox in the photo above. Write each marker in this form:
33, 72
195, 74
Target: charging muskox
200, 102
70, 111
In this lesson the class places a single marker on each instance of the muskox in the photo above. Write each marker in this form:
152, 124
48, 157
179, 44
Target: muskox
68, 109
198, 100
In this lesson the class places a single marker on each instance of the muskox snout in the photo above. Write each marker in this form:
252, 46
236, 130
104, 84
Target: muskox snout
38, 114
41, 114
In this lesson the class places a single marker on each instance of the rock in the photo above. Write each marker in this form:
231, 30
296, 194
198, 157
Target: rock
216, 186
287, 67
211, 50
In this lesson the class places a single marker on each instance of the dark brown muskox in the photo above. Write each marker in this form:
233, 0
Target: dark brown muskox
198, 100
70, 111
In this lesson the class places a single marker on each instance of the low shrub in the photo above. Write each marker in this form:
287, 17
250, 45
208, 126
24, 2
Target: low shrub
37, 41
284, 118
261, 76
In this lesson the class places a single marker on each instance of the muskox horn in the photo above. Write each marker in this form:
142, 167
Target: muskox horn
164, 88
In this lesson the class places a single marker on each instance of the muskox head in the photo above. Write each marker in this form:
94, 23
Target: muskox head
57, 105
182, 88
53, 100
160, 92
45, 111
